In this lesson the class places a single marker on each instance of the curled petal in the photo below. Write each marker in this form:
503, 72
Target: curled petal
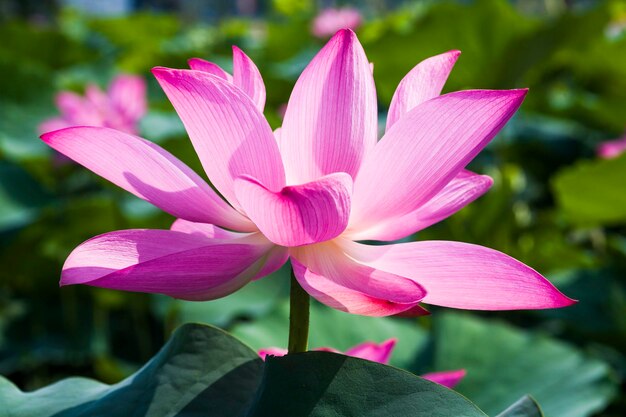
199, 64
148, 171
299, 214
230, 135
462, 190
333, 278
246, 76
376, 352
177, 264
425, 150
423, 82
446, 378
462, 275
331, 118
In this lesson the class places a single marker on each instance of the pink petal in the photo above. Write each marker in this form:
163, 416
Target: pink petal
425, 150
78, 111
331, 117
275, 258
52, 124
376, 352
162, 261
462, 190
273, 351
298, 214
246, 76
127, 94
331, 277
230, 135
206, 66
147, 171
446, 378
423, 82
462, 275
612, 148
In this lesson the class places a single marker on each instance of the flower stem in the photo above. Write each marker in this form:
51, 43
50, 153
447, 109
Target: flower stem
298, 317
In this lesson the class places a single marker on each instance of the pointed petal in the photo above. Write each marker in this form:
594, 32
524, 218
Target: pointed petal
376, 352
199, 64
446, 378
425, 150
230, 135
331, 117
423, 82
332, 278
299, 214
148, 171
246, 76
272, 351
462, 275
177, 264
275, 257
462, 190
128, 95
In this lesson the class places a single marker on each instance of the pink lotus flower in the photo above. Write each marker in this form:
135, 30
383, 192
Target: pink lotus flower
309, 191
329, 21
612, 148
381, 353
119, 108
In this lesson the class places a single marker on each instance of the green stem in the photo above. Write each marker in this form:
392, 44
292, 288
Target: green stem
298, 317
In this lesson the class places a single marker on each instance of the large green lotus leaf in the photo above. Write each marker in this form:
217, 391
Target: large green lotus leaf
593, 192
327, 384
504, 363
201, 371
332, 328
524, 407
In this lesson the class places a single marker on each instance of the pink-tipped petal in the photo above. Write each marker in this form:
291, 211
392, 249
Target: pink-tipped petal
177, 264
272, 351
274, 259
230, 135
462, 190
446, 378
77, 110
331, 118
298, 214
148, 171
423, 82
425, 150
51, 125
376, 352
331, 277
127, 94
246, 76
612, 148
462, 275
199, 64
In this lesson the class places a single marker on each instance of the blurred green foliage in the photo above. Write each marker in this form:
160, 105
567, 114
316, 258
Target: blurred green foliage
554, 205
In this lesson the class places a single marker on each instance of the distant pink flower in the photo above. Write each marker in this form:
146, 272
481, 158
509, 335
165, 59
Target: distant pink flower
381, 353
119, 108
329, 21
310, 191
612, 148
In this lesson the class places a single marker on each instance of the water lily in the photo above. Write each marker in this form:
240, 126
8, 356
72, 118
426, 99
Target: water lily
612, 148
309, 192
330, 20
381, 353
120, 107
